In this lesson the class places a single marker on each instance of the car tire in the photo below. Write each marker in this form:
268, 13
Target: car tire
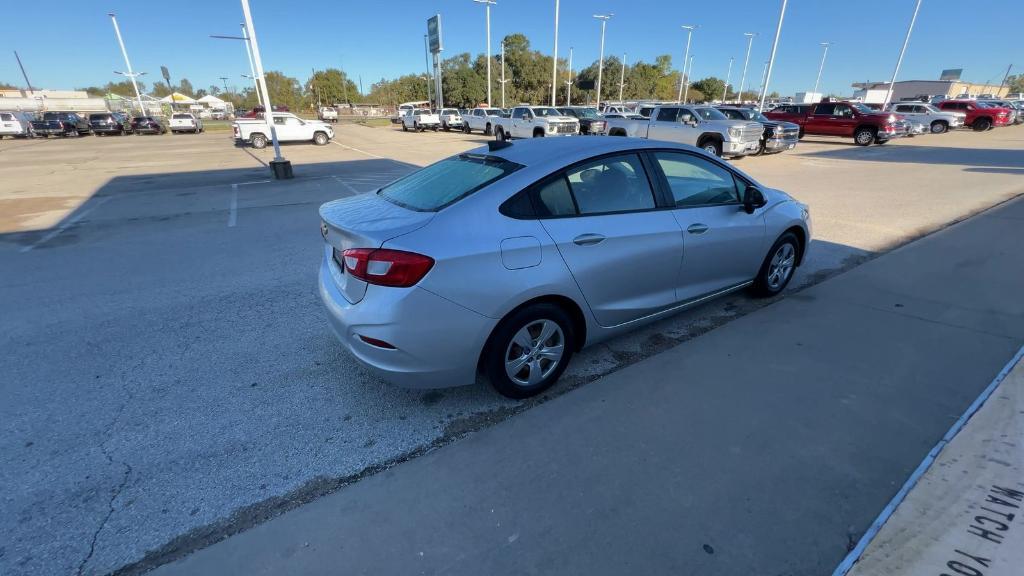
800, 135
516, 342
778, 267
761, 146
321, 139
939, 127
538, 133
465, 128
404, 127
981, 124
488, 130
711, 146
864, 137
259, 141
435, 128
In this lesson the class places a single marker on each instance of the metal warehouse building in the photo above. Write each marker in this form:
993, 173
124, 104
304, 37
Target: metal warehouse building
874, 92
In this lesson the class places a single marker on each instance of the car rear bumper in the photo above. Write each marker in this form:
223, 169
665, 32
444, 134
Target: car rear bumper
105, 129
436, 342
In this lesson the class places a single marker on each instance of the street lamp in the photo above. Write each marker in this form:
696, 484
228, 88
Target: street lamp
746, 61
892, 84
764, 73
622, 77
686, 56
686, 95
771, 59
600, 63
487, 4
131, 75
554, 60
502, 76
824, 53
568, 83
248, 54
728, 75
281, 168
259, 98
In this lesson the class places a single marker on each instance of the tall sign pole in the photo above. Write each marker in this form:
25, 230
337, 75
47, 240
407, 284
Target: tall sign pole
899, 61
281, 168
771, 59
487, 7
128, 64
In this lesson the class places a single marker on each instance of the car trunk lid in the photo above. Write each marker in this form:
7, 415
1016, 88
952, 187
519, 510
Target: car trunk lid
363, 221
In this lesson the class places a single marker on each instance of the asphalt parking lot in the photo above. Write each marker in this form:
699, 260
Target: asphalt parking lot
169, 377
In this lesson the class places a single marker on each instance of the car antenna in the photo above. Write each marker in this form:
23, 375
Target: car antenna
495, 145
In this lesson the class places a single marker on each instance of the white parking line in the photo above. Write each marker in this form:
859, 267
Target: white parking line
64, 226
233, 209
358, 150
347, 185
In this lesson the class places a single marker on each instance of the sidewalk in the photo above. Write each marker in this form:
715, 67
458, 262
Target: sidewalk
767, 446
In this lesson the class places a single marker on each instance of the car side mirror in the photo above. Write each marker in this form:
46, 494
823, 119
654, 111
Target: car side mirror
752, 199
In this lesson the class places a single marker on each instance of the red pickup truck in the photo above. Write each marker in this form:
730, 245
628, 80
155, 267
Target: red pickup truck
979, 116
847, 119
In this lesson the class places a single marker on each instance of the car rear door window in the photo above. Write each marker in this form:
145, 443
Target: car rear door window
668, 114
554, 199
612, 184
446, 182
696, 181
825, 109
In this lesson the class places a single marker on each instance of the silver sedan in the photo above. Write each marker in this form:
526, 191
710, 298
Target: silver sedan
507, 259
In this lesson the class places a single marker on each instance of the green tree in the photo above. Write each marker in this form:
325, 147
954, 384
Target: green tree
711, 88
213, 89
331, 87
160, 89
1016, 83
284, 90
463, 86
6, 86
185, 87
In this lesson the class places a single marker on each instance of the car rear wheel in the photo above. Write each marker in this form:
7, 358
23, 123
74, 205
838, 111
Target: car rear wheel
864, 136
259, 141
938, 127
778, 267
499, 134
529, 350
465, 128
982, 124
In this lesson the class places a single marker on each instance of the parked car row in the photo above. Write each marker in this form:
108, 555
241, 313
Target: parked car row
71, 124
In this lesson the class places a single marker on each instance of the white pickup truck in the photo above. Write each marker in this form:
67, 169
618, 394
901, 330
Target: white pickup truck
482, 119
700, 126
185, 122
535, 122
328, 114
289, 128
419, 120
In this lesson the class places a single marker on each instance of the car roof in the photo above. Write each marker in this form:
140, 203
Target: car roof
556, 152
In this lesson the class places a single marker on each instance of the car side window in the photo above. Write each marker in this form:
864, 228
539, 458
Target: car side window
696, 181
825, 110
668, 114
7, 117
733, 114
555, 199
613, 184
279, 120
519, 112
844, 111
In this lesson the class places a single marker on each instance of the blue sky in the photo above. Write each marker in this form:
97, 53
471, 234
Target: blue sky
377, 39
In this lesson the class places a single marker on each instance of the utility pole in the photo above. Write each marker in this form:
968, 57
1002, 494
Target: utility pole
746, 61
568, 83
824, 45
224, 79
622, 77
487, 4
760, 89
502, 77
1001, 84
728, 75
686, 57
252, 67
131, 75
31, 91
771, 59
600, 62
281, 168
899, 61
686, 95
554, 62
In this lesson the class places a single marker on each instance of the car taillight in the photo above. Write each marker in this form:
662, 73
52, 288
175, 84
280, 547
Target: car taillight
386, 267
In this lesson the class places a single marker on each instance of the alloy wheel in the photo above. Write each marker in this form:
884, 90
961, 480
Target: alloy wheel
781, 266
535, 352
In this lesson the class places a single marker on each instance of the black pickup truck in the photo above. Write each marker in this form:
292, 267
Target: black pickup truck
61, 124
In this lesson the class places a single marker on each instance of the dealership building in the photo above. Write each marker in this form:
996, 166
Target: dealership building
874, 92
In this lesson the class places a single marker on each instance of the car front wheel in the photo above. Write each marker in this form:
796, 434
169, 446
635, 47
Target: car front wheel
778, 267
320, 139
529, 350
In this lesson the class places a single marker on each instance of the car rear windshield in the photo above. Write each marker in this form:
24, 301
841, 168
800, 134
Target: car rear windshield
182, 116
99, 116
446, 182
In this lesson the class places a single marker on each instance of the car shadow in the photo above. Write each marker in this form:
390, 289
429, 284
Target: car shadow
913, 154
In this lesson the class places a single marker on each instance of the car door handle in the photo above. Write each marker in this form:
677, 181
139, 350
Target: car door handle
697, 228
588, 239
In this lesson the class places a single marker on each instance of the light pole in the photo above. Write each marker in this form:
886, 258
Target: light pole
686, 56
252, 68
600, 62
746, 61
686, 94
487, 4
728, 75
892, 84
760, 89
426, 56
568, 83
622, 77
259, 98
771, 59
224, 79
131, 75
502, 77
824, 53
281, 168
554, 60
